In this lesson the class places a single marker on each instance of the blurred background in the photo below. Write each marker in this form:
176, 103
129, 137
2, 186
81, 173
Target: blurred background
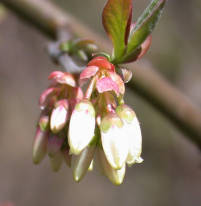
171, 172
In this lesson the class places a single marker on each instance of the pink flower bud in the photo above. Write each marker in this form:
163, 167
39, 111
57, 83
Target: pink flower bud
39, 146
59, 116
45, 96
54, 144
44, 123
81, 127
114, 140
63, 78
102, 63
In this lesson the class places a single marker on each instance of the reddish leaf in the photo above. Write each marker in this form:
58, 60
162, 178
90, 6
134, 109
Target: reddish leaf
145, 46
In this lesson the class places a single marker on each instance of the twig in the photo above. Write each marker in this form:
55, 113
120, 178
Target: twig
146, 82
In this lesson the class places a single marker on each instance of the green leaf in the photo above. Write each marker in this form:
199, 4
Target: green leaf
144, 25
116, 20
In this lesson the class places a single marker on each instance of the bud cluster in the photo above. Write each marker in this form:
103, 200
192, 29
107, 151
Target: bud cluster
85, 122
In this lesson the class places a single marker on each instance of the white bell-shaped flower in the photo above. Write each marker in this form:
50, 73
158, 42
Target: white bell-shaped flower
115, 176
133, 132
81, 127
114, 140
59, 116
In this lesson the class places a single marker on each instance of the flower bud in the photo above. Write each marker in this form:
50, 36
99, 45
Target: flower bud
81, 127
126, 74
54, 145
56, 161
82, 55
67, 157
114, 140
44, 123
91, 166
39, 146
133, 132
59, 116
115, 176
82, 162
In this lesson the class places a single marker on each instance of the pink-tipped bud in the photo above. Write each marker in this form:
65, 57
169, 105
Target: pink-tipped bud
81, 127
102, 63
133, 132
56, 161
82, 162
44, 123
59, 116
39, 146
45, 97
114, 140
63, 78
115, 176
54, 145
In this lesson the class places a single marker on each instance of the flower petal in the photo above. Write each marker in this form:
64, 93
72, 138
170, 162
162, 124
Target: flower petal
45, 96
63, 78
118, 80
115, 176
102, 62
133, 133
114, 141
88, 72
59, 116
81, 127
107, 84
135, 142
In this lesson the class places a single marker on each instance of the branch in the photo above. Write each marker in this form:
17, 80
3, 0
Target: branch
146, 82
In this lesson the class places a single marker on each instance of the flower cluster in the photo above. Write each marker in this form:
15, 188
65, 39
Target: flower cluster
85, 122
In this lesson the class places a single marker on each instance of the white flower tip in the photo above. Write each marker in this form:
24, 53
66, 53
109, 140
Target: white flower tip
139, 160
76, 178
74, 150
58, 119
81, 128
91, 166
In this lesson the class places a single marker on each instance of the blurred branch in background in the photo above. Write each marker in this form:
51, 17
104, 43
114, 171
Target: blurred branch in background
2, 12
146, 82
